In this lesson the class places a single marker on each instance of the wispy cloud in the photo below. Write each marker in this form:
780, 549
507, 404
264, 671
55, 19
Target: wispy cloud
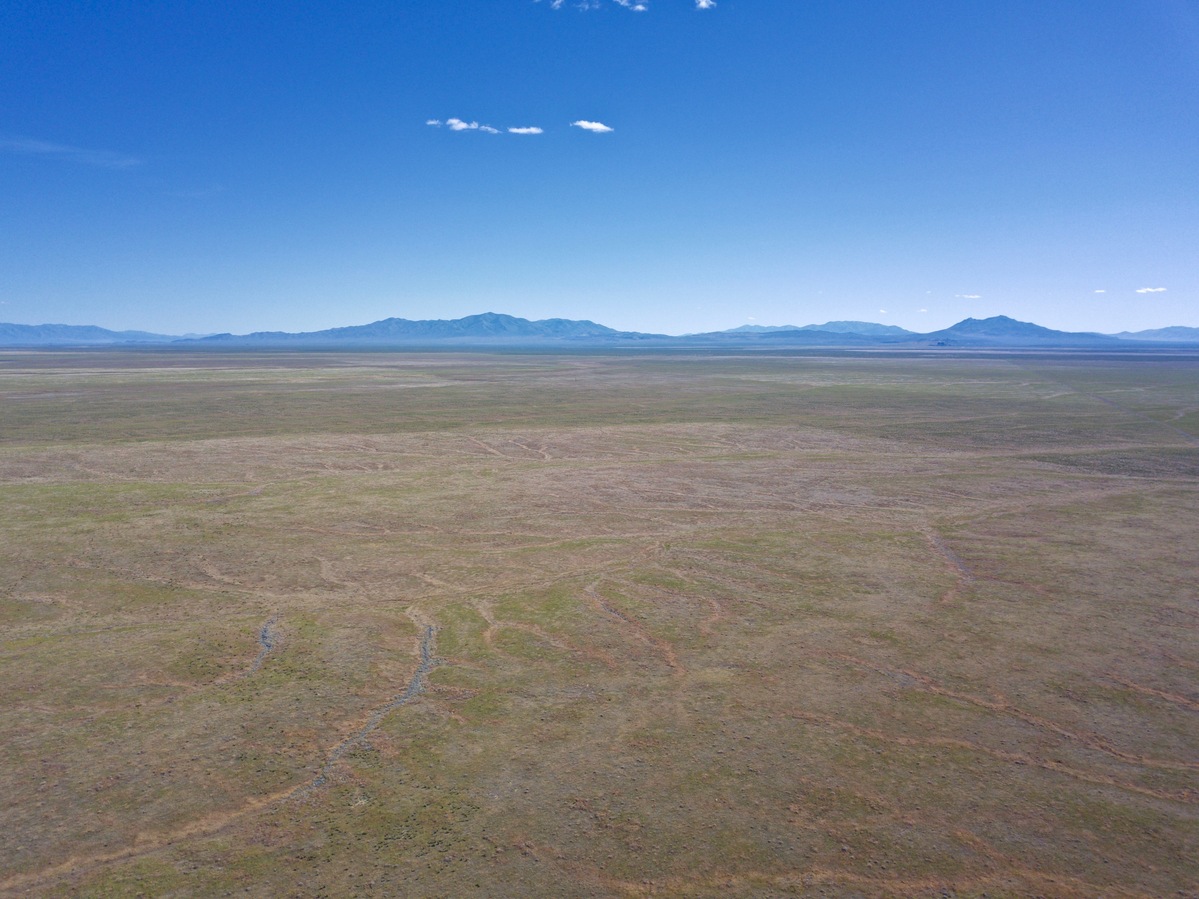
460, 125
1101, 291
1151, 290
463, 125
594, 127
104, 159
968, 296
631, 5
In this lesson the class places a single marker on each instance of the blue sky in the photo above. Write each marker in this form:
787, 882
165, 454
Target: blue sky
192, 166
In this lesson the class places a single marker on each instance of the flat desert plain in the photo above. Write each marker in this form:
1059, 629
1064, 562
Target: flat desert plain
572, 625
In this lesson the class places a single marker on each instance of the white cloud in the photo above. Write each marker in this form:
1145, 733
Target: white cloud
594, 127
968, 296
924, 310
460, 125
105, 159
1151, 290
882, 312
631, 5
1101, 291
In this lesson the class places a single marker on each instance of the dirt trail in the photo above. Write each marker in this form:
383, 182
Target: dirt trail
954, 563
669, 656
1003, 706
143, 844
329, 574
1175, 698
416, 686
494, 625
488, 448
997, 877
1185, 435
1185, 796
1140, 416
146, 843
952, 559
539, 449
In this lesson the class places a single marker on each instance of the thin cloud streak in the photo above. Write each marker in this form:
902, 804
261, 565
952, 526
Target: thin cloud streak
631, 5
462, 125
593, 127
1151, 290
104, 159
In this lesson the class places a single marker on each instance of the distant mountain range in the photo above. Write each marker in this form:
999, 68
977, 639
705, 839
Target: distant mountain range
494, 329
833, 327
73, 335
490, 327
1176, 334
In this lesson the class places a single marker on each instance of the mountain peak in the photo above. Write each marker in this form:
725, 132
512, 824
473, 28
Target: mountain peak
999, 330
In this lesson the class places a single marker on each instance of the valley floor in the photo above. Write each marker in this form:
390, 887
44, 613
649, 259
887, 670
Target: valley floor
599, 625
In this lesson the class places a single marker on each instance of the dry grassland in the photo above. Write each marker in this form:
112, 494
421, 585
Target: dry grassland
688, 626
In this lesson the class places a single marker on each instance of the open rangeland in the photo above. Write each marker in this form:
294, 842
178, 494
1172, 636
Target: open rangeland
599, 625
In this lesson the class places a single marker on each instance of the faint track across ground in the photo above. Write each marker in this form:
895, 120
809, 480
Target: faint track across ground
669, 656
144, 844
1190, 438
415, 687
1004, 706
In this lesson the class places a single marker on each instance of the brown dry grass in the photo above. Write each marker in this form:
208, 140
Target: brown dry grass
707, 626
